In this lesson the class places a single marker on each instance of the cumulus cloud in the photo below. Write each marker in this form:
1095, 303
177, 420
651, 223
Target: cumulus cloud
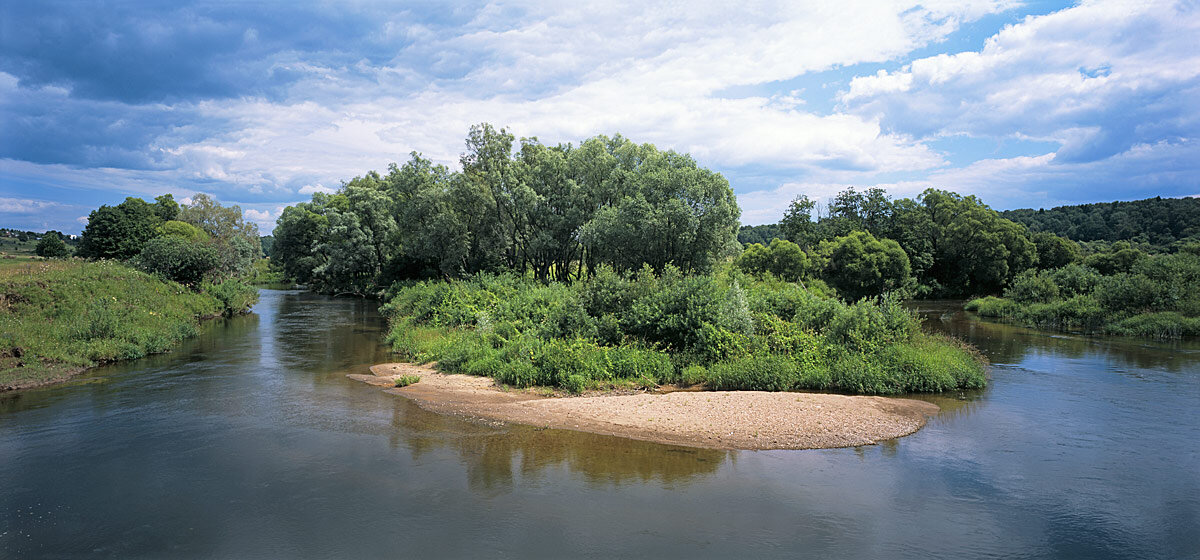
1098, 79
26, 205
264, 106
310, 189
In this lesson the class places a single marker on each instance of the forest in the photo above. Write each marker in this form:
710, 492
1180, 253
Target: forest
1157, 224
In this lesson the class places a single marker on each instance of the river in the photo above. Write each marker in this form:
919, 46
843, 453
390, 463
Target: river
249, 442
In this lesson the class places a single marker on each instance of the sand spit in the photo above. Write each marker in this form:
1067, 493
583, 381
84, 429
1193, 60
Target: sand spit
711, 419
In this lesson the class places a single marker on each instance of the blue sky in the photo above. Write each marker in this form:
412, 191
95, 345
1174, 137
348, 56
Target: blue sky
261, 104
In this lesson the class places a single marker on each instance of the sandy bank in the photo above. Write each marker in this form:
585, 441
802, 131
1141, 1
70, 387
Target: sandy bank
712, 419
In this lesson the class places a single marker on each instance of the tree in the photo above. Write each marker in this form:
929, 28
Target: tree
781, 258
860, 265
51, 246
166, 208
119, 232
797, 224
236, 239
298, 232
1054, 251
174, 228
178, 259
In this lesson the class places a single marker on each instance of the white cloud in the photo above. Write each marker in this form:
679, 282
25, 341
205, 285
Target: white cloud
318, 188
26, 205
565, 74
1097, 78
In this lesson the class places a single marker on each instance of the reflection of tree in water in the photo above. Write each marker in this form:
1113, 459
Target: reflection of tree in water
1011, 344
496, 454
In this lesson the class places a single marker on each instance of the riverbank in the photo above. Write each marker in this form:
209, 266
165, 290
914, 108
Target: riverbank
59, 318
708, 419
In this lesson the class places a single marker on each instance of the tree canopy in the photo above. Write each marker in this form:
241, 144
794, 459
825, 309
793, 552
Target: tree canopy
557, 212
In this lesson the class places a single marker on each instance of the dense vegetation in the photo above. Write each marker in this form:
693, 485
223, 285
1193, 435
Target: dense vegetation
1161, 223
556, 212
951, 245
725, 330
1123, 291
762, 234
159, 269
608, 264
61, 316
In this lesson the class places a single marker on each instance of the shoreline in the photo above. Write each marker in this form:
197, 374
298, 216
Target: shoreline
730, 420
70, 373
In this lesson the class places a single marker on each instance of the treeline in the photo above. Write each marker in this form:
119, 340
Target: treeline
1161, 223
939, 244
1123, 291
555, 212
198, 242
762, 234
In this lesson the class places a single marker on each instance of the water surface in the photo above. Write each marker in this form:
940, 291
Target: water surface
249, 442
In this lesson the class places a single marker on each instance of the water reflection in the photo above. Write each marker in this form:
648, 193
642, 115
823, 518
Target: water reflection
1011, 344
249, 442
496, 455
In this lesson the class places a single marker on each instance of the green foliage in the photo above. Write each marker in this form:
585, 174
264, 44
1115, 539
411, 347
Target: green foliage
51, 246
182, 230
1054, 251
860, 265
1032, 287
1157, 221
70, 315
234, 296
725, 330
762, 234
781, 258
178, 259
235, 239
1141, 295
406, 380
119, 232
558, 213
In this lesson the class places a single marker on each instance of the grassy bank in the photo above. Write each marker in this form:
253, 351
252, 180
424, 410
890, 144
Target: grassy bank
726, 331
58, 317
1152, 296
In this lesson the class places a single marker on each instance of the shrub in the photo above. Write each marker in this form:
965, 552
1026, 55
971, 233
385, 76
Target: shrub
754, 373
1032, 286
406, 380
992, 306
178, 259
693, 375
575, 384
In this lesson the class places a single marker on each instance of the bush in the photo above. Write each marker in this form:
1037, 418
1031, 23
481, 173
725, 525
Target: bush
1032, 286
1168, 325
693, 375
754, 373
406, 380
729, 331
178, 259
235, 296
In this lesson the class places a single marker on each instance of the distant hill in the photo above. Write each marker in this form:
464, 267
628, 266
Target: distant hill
1158, 221
759, 234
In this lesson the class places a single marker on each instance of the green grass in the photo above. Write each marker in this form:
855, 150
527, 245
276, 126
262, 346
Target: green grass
406, 380
1083, 313
57, 317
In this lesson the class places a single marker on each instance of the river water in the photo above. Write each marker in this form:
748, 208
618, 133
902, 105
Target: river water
249, 442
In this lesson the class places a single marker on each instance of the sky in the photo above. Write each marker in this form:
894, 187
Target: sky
261, 104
